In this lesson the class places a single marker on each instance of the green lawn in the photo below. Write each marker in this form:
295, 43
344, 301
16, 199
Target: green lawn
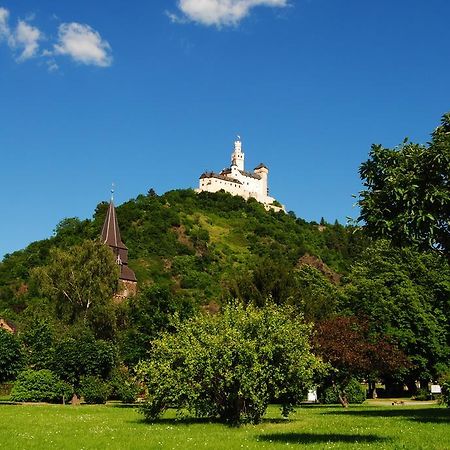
317, 427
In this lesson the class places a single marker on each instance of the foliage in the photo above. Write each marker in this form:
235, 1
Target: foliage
316, 297
407, 196
11, 358
445, 389
148, 314
446, 393
345, 343
353, 391
230, 365
79, 278
422, 395
94, 390
83, 355
38, 341
123, 386
40, 386
405, 294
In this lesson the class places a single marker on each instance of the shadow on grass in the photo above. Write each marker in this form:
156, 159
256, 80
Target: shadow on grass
423, 415
312, 438
174, 421
123, 405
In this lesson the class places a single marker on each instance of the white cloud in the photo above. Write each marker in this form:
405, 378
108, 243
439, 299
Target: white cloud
26, 37
4, 27
220, 12
83, 44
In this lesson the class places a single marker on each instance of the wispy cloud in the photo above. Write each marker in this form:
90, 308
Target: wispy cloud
23, 39
4, 27
83, 44
26, 38
219, 13
80, 42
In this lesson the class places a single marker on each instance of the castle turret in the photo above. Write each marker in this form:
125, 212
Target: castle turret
263, 172
237, 157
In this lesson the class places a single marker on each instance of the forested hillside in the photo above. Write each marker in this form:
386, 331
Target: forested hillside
193, 244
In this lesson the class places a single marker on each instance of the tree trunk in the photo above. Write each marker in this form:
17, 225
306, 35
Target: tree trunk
372, 392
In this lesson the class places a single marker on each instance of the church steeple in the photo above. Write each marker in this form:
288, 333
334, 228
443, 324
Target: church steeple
111, 237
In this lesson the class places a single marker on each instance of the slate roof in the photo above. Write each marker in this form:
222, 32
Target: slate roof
111, 236
220, 176
261, 166
110, 231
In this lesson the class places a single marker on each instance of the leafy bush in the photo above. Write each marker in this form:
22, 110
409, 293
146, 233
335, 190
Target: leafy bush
353, 391
83, 355
40, 386
11, 359
230, 365
94, 390
445, 390
422, 395
124, 386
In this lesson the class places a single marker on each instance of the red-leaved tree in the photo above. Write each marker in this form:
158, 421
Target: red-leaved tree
352, 352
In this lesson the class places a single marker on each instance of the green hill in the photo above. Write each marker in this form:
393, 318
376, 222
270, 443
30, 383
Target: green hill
193, 244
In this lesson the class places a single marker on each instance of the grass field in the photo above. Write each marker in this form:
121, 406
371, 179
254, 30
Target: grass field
316, 427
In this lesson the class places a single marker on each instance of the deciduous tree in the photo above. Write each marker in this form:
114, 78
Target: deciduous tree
230, 365
407, 195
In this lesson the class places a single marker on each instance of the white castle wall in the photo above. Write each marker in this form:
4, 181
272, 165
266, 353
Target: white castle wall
248, 186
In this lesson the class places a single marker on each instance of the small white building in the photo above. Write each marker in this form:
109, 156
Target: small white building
237, 181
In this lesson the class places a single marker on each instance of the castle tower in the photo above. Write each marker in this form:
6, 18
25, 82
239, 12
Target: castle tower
111, 237
263, 171
237, 157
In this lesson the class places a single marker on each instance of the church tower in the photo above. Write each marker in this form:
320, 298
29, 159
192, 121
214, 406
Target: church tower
237, 157
111, 237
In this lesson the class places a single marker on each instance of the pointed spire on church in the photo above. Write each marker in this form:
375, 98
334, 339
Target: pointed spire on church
111, 237
110, 231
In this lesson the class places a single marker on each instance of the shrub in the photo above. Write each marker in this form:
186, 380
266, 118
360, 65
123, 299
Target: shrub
40, 386
230, 365
353, 391
445, 390
94, 390
123, 386
422, 395
11, 358
83, 355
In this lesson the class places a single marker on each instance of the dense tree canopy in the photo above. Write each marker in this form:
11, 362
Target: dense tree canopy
405, 294
353, 352
407, 195
11, 358
79, 279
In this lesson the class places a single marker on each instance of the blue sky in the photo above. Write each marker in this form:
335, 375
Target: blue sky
152, 93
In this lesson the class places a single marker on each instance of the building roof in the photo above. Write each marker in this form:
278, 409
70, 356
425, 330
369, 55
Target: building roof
250, 175
127, 274
261, 166
221, 176
111, 237
110, 231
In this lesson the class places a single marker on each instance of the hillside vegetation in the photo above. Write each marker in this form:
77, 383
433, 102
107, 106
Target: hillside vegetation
193, 244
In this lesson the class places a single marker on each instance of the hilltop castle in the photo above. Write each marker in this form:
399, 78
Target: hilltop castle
237, 181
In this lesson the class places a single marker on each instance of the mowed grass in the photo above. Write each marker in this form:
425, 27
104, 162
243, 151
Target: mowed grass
316, 427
